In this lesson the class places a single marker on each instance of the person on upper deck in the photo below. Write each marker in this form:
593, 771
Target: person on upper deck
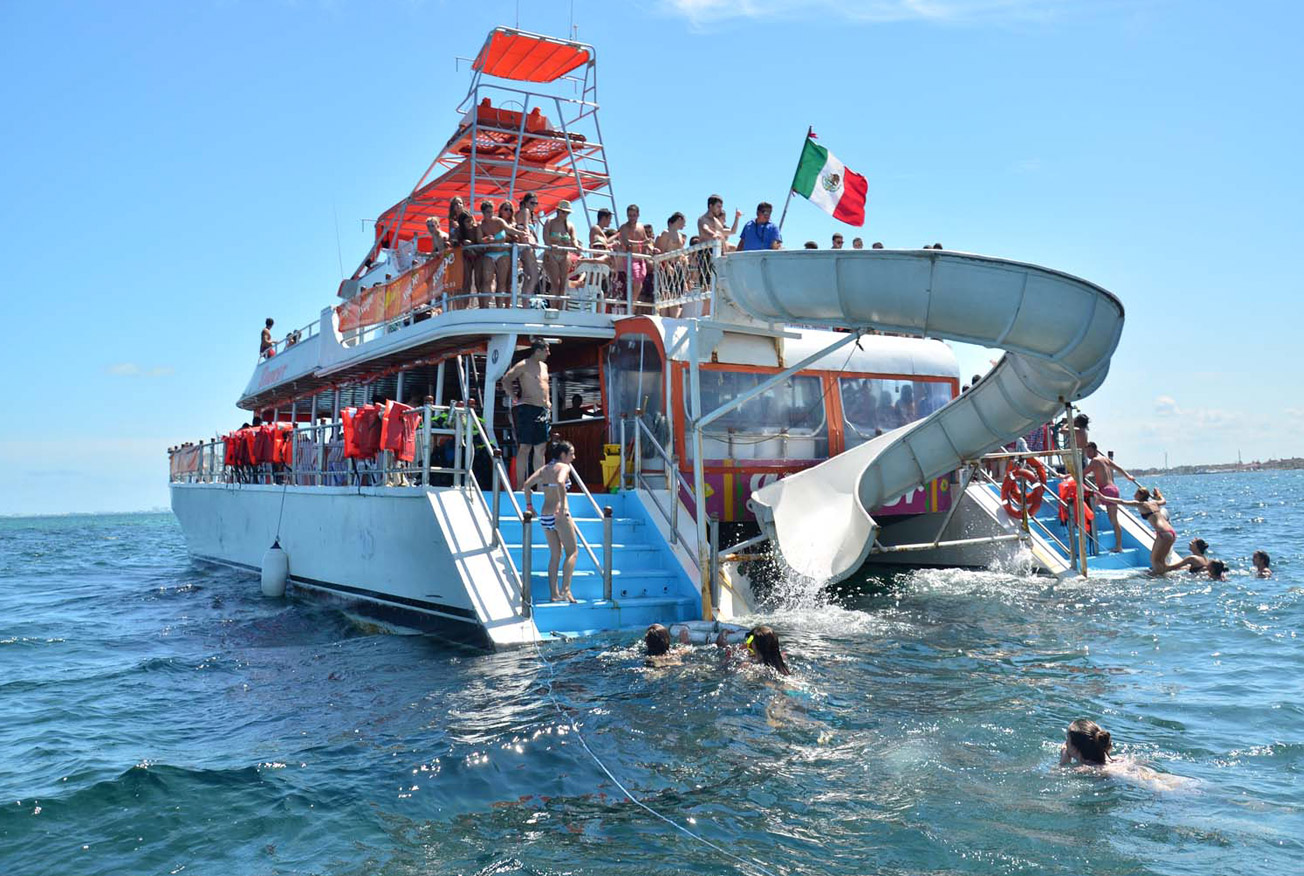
761, 233
533, 414
438, 240
266, 346
602, 235
674, 272
559, 236
462, 233
525, 219
710, 225
857, 243
631, 238
495, 265
837, 240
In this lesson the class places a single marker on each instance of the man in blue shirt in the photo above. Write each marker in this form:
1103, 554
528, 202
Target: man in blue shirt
761, 233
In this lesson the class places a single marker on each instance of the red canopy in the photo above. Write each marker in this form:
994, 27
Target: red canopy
493, 182
511, 54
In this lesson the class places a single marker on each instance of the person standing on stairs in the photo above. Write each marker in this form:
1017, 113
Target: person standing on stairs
558, 527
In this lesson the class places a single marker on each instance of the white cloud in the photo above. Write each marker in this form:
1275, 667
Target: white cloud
868, 11
131, 369
1166, 406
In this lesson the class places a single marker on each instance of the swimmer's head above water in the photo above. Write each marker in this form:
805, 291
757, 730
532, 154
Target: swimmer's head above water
1085, 741
657, 640
763, 646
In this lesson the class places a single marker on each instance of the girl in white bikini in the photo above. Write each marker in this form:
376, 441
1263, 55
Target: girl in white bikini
558, 527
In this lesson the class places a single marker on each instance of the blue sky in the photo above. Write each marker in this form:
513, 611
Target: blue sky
172, 172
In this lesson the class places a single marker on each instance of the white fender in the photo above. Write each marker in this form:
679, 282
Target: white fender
276, 570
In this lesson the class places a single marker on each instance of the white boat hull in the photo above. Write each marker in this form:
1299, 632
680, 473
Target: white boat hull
412, 558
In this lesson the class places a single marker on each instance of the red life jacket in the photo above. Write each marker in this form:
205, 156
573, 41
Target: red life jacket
347, 417
247, 438
264, 444
230, 449
1068, 494
398, 431
285, 443
367, 427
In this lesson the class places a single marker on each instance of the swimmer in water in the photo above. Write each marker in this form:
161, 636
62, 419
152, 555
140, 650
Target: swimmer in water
657, 640
1086, 743
1262, 564
762, 645
1197, 562
1217, 570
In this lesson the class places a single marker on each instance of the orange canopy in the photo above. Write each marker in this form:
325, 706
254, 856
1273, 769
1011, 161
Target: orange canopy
492, 182
511, 54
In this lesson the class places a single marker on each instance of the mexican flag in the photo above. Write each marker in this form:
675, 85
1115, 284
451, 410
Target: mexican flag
826, 182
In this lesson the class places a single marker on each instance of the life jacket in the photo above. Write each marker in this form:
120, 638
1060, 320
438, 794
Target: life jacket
366, 428
264, 444
1068, 494
247, 437
348, 417
230, 449
285, 444
398, 432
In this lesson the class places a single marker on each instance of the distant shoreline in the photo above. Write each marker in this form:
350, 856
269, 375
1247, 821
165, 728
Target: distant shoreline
1225, 467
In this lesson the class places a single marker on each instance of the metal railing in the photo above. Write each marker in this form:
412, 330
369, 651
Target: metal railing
597, 281
500, 475
674, 478
316, 457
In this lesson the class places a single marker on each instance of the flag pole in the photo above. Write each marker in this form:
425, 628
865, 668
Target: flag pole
810, 132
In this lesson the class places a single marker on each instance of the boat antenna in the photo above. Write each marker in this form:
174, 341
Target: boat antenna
575, 31
518, 14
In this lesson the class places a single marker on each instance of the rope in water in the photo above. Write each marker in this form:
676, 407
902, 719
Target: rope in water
552, 675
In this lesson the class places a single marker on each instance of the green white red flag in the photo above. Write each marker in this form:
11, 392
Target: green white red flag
827, 183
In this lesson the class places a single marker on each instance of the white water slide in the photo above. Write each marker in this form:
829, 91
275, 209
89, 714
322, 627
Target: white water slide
1058, 333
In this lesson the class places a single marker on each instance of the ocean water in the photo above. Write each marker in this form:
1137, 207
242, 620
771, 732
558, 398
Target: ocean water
162, 717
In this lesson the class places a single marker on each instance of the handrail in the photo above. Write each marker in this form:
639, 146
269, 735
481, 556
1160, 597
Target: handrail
674, 480
1044, 529
479, 428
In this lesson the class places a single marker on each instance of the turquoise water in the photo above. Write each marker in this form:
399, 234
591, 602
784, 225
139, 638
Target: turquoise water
161, 717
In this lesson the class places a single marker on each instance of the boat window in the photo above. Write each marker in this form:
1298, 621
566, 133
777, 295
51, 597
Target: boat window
786, 421
872, 405
636, 381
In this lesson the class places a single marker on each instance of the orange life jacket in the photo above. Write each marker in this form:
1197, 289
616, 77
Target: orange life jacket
1068, 494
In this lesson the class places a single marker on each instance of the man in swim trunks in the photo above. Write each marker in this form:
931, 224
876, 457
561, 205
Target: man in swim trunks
1100, 476
533, 411
266, 343
632, 238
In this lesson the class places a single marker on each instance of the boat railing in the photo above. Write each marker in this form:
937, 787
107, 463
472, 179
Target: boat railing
1051, 497
601, 281
297, 336
317, 457
674, 482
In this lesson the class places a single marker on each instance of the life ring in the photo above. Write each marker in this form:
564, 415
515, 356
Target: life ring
1016, 498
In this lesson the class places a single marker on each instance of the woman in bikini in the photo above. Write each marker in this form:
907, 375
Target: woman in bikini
1151, 505
559, 237
558, 527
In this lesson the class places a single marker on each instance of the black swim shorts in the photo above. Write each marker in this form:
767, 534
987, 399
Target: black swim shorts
532, 423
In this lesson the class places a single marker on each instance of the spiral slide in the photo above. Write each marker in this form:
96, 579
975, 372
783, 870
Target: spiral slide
1058, 333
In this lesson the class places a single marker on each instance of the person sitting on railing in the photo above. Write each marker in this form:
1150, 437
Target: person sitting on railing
266, 346
555, 518
674, 272
525, 219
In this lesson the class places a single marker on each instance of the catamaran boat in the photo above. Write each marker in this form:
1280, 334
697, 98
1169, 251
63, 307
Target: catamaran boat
808, 398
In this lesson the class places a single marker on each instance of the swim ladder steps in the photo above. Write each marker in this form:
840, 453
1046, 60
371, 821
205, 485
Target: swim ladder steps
647, 585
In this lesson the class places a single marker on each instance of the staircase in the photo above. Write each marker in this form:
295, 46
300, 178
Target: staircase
1137, 538
648, 584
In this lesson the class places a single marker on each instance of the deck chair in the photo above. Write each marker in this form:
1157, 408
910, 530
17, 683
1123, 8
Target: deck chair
587, 297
